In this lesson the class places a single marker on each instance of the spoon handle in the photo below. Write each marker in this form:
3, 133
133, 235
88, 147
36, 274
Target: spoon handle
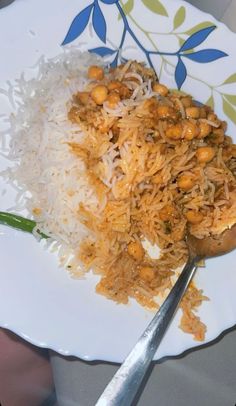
124, 385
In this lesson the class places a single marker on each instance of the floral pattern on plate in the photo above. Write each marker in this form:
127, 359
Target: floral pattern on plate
188, 40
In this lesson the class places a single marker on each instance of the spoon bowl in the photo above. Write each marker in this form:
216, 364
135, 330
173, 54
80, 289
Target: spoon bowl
214, 245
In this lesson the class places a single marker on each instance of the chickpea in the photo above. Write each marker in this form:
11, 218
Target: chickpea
150, 103
136, 250
186, 101
166, 212
120, 88
159, 88
203, 113
192, 112
194, 217
147, 273
112, 100
157, 179
124, 91
82, 97
174, 132
95, 72
212, 117
99, 94
205, 154
114, 85
205, 129
151, 106
218, 136
164, 111
185, 182
190, 130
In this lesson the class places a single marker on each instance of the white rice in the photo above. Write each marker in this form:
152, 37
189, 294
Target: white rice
43, 164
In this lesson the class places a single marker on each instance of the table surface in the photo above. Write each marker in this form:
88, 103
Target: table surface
205, 376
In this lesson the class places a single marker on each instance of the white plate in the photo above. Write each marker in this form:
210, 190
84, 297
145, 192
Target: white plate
38, 300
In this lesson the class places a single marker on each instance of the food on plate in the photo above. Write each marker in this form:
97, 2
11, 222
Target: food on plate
112, 164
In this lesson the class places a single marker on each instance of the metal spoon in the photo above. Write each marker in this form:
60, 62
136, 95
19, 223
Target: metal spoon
124, 385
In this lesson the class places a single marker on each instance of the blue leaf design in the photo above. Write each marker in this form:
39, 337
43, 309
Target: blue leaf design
197, 38
197, 103
102, 51
99, 23
206, 55
123, 60
78, 25
113, 64
180, 73
109, 1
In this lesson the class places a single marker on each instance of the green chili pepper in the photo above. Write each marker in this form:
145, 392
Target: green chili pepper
20, 223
